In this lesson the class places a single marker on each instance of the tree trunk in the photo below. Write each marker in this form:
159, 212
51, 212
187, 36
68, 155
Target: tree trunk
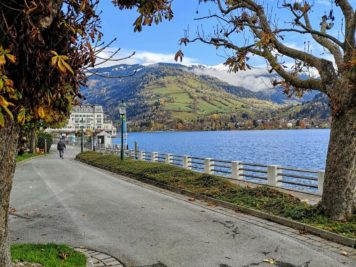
339, 194
33, 140
8, 146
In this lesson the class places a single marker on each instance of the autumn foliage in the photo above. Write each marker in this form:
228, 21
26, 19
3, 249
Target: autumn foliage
45, 50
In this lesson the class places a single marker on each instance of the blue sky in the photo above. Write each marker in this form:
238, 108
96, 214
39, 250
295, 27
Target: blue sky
159, 43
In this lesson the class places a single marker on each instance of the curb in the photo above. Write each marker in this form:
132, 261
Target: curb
350, 242
99, 259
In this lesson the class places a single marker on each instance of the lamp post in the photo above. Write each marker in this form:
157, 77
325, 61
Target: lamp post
122, 111
81, 135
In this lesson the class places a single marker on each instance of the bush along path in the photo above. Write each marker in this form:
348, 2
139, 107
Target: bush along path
260, 198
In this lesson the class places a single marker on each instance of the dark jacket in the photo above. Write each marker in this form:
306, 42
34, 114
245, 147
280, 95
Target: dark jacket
61, 145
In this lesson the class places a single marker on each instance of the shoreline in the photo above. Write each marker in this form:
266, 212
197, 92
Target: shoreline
235, 130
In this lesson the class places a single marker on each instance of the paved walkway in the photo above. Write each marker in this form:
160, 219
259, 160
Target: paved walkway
65, 201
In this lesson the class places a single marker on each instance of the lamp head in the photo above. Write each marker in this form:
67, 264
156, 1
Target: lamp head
122, 108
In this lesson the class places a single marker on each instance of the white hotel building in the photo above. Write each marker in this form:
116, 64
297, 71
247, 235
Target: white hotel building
91, 117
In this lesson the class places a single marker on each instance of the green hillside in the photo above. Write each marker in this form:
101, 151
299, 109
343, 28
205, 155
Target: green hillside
188, 94
186, 98
318, 109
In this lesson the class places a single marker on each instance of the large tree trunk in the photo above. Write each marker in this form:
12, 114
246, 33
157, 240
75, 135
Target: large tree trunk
8, 146
339, 195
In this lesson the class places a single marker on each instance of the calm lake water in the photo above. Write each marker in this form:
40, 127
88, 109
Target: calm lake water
290, 148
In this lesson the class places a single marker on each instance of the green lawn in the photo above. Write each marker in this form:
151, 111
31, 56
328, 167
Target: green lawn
25, 156
261, 198
49, 255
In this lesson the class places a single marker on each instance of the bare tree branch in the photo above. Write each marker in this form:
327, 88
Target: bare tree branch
350, 28
309, 28
249, 14
288, 77
232, 8
333, 49
263, 21
309, 31
116, 59
345, 7
213, 16
222, 43
95, 73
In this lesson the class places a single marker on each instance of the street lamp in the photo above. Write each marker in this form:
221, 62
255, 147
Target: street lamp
122, 112
81, 135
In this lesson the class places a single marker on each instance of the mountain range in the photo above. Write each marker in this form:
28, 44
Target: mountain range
172, 96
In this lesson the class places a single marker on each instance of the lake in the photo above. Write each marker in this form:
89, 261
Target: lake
290, 148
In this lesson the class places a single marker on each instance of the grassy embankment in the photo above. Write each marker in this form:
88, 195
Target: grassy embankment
260, 198
49, 255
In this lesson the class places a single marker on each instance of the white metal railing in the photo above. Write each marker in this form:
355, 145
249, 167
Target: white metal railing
309, 181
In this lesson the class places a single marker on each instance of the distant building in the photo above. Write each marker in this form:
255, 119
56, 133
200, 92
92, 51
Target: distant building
91, 117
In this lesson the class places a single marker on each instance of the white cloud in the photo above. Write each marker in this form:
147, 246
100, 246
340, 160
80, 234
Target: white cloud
140, 57
323, 2
255, 79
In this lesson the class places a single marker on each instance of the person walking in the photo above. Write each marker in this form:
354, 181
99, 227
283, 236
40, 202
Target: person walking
60, 147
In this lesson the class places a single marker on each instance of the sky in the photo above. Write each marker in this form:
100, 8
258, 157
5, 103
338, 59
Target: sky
159, 43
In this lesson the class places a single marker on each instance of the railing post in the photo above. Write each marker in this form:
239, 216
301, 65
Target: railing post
272, 176
154, 156
141, 155
168, 159
186, 162
136, 151
236, 172
207, 166
321, 176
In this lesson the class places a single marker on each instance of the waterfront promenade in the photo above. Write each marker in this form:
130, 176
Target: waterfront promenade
65, 201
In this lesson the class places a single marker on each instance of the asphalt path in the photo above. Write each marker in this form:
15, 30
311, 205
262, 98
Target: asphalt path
65, 201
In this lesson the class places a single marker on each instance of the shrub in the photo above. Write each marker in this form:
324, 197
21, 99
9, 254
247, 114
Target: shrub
42, 138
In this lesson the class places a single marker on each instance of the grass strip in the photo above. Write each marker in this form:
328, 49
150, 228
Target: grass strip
25, 156
49, 255
261, 198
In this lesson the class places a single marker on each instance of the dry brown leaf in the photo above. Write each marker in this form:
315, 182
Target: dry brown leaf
12, 210
63, 255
